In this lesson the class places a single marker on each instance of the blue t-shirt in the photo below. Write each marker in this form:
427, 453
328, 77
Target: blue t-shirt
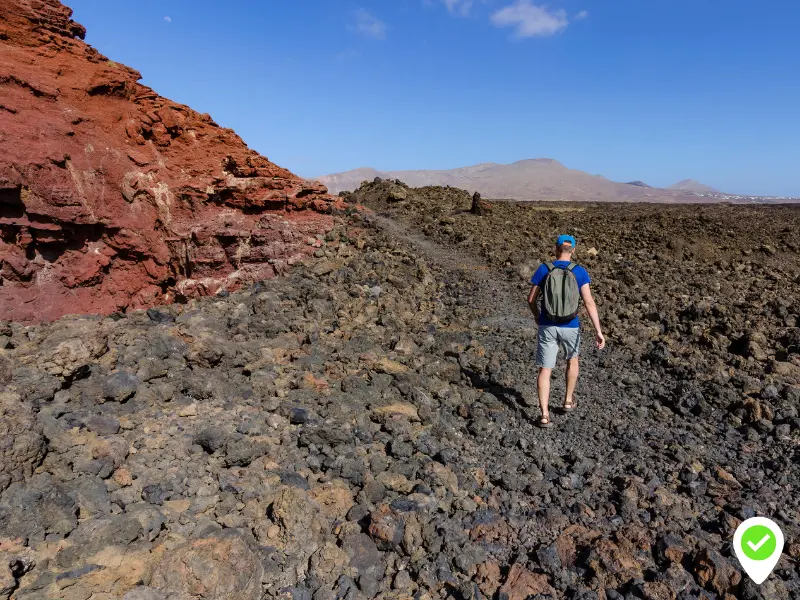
582, 277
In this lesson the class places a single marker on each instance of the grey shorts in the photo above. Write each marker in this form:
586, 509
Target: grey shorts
553, 336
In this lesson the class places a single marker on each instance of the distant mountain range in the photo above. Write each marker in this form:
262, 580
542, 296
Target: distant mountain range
690, 185
532, 179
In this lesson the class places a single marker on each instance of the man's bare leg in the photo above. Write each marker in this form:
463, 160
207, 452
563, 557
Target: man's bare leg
544, 390
572, 379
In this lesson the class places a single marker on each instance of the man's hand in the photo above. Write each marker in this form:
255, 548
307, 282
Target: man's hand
591, 308
600, 340
532, 300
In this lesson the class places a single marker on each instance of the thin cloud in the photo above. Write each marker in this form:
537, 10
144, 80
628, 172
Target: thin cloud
168, 19
582, 15
458, 7
368, 25
530, 20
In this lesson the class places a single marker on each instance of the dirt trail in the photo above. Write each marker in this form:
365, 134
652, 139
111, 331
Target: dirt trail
666, 443
504, 321
630, 413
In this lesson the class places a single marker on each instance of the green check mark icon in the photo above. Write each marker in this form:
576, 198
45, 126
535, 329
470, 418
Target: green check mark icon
758, 543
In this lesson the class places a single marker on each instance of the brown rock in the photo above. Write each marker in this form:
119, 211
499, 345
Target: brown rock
440, 475
8, 583
480, 207
329, 562
392, 367
70, 346
298, 521
755, 350
726, 477
715, 572
386, 527
488, 577
494, 531
15, 561
405, 345
109, 572
122, 477
397, 193
567, 552
671, 548
142, 592
788, 370
614, 562
6, 369
655, 590
412, 537
754, 409
398, 409
22, 445
793, 550
396, 482
521, 584
211, 568
335, 498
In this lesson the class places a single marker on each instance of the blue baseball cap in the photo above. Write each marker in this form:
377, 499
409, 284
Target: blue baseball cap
562, 239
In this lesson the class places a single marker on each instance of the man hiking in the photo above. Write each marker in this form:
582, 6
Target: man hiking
557, 289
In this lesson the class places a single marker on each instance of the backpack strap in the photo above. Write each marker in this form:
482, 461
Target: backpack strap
550, 266
571, 266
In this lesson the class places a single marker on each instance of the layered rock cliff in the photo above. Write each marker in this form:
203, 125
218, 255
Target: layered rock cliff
113, 197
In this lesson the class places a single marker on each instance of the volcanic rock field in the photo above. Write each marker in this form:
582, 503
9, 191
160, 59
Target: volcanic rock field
364, 426
219, 382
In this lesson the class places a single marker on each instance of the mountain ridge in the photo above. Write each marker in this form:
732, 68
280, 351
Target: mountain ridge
526, 179
692, 185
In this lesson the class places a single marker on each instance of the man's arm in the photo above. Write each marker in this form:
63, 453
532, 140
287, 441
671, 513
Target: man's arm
532, 296
591, 308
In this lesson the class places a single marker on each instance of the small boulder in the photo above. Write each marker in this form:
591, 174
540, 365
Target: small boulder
22, 445
480, 207
103, 425
714, 572
522, 584
211, 439
386, 528
120, 386
217, 567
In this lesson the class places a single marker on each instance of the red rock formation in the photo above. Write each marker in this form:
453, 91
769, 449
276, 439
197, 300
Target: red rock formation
112, 197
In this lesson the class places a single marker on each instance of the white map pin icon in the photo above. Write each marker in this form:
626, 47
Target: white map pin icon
758, 543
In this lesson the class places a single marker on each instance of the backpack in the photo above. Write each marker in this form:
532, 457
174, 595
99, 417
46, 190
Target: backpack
560, 294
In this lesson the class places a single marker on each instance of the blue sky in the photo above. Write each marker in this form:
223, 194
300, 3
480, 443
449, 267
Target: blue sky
656, 90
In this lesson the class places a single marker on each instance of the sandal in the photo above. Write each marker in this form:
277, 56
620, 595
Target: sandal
545, 421
570, 406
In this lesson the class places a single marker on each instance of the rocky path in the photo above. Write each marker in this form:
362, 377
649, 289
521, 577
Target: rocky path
358, 429
501, 319
654, 453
